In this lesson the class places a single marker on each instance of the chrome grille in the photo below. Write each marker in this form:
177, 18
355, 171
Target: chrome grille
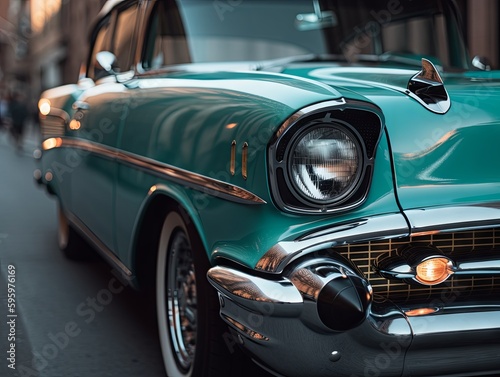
479, 241
52, 126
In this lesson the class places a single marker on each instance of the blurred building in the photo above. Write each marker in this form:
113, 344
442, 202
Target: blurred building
43, 42
482, 29
14, 36
58, 44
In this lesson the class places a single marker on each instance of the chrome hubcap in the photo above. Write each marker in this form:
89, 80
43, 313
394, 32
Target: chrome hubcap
181, 299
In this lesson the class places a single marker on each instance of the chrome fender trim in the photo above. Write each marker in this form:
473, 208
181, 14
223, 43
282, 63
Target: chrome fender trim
449, 219
422, 221
271, 328
174, 174
256, 293
324, 292
374, 228
123, 272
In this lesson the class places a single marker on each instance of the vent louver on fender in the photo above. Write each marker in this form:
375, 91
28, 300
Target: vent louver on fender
427, 87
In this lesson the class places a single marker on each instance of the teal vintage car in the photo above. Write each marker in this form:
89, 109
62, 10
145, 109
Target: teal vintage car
314, 182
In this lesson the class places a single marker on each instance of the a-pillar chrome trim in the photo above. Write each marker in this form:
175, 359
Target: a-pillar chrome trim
192, 180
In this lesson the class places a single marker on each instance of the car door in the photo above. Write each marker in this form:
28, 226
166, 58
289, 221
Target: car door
164, 44
97, 122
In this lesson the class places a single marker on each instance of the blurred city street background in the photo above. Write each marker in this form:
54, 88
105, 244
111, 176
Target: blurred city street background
68, 324
75, 319
43, 43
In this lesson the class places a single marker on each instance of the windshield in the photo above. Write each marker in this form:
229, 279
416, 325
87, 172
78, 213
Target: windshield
350, 30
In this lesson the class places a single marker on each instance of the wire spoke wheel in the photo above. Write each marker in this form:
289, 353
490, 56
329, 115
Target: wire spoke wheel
182, 300
177, 304
193, 337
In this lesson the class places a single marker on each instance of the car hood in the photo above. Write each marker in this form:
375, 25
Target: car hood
449, 159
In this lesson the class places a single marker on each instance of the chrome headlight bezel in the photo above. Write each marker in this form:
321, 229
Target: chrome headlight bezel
362, 123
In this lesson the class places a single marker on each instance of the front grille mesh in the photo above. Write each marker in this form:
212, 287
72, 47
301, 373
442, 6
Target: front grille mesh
452, 244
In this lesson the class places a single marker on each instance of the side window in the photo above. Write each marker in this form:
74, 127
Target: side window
166, 42
101, 43
123, 39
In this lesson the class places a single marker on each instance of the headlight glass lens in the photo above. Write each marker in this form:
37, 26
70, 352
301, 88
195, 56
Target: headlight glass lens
325, 164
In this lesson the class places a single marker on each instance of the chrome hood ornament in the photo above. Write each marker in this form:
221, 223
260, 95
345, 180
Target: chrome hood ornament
427, 87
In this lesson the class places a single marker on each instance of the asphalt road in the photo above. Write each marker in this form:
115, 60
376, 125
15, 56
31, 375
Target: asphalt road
61, 318
70, 319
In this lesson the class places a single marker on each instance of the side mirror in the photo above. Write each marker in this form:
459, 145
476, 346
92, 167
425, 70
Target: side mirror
481, 63
105, 64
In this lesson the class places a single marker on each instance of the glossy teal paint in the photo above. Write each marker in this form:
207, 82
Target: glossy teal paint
132, 194
439, 160
448, 159
93, 177
245, 233
127, 242
58, 161
188, 121
205, 116
191, 123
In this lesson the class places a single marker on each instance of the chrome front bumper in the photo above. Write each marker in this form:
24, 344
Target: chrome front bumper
305, 312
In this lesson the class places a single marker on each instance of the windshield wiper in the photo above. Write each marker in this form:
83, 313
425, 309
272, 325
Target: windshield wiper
307, 58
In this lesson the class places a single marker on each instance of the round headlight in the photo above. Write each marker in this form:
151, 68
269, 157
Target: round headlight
325, 164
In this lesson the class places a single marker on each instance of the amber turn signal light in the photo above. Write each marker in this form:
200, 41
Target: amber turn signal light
420, 312
434, 270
